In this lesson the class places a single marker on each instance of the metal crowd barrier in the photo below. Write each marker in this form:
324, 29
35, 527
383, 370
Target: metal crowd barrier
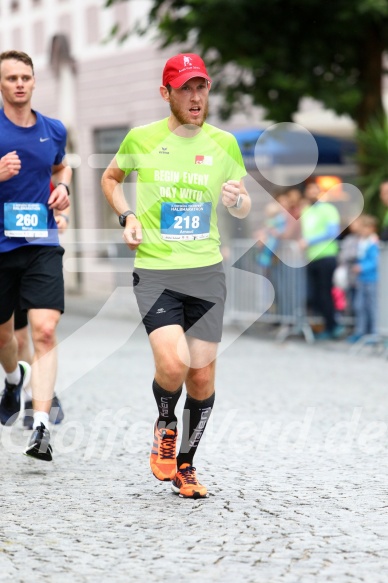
382, 308
288, 278
289, 309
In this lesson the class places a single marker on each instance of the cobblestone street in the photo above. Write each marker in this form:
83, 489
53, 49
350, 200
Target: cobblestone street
294, 458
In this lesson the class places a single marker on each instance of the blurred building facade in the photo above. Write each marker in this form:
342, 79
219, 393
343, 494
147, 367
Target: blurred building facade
100, 90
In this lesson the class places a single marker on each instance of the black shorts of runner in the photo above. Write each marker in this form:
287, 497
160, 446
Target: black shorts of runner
20, 318
191, 298
31, 275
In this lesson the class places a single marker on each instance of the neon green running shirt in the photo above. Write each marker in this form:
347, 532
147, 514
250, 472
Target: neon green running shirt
178, 187
319, 222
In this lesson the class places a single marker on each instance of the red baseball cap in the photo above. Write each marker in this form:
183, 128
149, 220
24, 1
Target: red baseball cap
183, 67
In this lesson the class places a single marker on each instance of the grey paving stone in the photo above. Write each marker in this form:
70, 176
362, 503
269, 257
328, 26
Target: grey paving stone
294, 458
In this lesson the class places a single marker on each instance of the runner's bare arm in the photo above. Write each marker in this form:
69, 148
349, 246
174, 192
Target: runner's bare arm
232, 192
111, 184
61, 176
62, 219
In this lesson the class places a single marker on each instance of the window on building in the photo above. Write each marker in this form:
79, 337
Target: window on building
107, 141
92, 25
66, 26
17, 39
38, 37
121, 14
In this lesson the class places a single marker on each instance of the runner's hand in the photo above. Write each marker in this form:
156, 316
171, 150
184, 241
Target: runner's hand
62, 223
230, 191
9, 166
133, 232
59, 199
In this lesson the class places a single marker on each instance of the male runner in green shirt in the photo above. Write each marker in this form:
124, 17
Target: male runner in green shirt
183, 167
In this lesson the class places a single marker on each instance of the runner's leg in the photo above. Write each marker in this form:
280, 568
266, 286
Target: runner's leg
167, 388
44, 368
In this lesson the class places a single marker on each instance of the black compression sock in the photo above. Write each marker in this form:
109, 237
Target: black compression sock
195, 417
166, 402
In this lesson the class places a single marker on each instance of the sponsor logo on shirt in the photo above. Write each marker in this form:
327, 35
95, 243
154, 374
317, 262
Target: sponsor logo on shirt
204, 160
164, 151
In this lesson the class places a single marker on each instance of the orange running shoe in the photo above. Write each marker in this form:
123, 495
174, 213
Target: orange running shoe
163, 454
185, 483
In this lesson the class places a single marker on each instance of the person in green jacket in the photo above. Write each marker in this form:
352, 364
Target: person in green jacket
320, 229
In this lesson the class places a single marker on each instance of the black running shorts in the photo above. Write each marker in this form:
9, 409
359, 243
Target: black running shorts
191, 298
33, 276
20, 318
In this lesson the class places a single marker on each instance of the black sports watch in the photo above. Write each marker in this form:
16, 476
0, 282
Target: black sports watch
123, 217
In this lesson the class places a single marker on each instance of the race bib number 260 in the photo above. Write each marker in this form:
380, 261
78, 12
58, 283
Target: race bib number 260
23, 219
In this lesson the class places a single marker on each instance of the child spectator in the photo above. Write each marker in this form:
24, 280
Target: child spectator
347, 258
294, 207
274, 228
270, 237
366, 269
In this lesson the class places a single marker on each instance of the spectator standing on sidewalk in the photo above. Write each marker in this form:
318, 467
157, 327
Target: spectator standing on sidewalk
347, 258
294, 207
274, 227
272, 243
320, 229
366, 270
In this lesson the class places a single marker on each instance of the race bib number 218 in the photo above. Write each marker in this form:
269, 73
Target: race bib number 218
185, 221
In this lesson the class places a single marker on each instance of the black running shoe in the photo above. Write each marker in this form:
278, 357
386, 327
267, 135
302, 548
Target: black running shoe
39, 445
10, 402
28, 419
56, 413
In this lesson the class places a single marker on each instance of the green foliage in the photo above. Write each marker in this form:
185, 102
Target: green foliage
277, 51
111, 2
373, 160
116, 34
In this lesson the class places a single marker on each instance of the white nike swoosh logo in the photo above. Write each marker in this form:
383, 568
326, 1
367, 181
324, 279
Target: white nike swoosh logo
44, 139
